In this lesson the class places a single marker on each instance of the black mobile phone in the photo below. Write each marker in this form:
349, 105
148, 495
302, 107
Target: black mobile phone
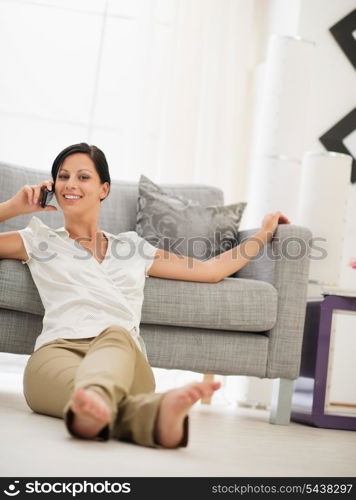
46, 197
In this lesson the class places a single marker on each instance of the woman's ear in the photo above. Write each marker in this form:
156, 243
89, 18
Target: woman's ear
105, 189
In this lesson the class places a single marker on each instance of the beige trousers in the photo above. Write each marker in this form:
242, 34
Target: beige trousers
110, 364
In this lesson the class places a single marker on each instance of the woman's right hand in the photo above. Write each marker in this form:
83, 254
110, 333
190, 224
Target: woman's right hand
270, 223
27, 199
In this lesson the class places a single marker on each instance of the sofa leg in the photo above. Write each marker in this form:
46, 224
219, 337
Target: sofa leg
281, 402
206, 400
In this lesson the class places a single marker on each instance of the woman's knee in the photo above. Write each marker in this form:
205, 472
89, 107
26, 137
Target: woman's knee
47, 385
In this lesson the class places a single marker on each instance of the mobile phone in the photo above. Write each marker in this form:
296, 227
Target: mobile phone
46, 197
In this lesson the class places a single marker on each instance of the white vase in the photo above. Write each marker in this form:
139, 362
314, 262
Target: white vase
281, 130
322, 208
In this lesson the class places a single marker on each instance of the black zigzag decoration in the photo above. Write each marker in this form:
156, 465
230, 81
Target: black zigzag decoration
333, 138
343, 31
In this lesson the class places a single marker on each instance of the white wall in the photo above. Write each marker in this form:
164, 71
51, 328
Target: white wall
335, 96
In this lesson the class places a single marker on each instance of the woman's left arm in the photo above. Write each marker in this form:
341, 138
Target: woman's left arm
177, 267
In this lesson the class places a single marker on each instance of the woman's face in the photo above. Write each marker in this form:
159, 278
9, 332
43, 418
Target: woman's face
78, 187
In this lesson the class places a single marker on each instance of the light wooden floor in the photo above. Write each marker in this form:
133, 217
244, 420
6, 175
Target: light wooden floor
224, 441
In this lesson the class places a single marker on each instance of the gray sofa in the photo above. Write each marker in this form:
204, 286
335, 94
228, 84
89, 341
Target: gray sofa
250, 325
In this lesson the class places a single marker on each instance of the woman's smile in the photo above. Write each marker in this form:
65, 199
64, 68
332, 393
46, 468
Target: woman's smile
72, 198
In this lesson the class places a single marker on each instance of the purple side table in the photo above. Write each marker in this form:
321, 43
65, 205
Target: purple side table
308, 401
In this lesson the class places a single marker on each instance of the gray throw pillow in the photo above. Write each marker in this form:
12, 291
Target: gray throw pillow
183, 226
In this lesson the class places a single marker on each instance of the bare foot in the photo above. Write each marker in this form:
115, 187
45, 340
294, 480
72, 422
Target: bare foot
91, 413
173, 409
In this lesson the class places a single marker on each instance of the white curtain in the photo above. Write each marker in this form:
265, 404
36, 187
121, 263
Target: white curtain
159, 85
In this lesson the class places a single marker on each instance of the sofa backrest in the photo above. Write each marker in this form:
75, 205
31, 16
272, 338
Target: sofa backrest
118, 211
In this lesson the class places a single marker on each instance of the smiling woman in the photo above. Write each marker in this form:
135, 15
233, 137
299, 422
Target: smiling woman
89, 365
89, 361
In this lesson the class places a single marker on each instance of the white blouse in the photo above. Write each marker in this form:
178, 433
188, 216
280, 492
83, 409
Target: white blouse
80, 296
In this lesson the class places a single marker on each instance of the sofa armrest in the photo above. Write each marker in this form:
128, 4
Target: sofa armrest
285, 264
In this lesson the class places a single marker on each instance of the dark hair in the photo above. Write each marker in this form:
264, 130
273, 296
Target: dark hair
94, 153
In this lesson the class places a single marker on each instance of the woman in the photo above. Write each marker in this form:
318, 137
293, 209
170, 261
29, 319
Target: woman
88, 365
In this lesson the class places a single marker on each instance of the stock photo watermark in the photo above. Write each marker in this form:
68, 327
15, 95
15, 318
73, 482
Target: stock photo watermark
193, 248
67, 488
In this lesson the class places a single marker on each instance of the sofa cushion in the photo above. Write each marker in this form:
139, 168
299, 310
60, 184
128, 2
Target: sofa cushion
184, 226
17, 288
232, 304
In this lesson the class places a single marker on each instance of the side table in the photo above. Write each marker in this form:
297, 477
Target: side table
309, 397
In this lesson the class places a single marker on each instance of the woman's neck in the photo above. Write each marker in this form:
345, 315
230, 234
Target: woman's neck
80, 229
